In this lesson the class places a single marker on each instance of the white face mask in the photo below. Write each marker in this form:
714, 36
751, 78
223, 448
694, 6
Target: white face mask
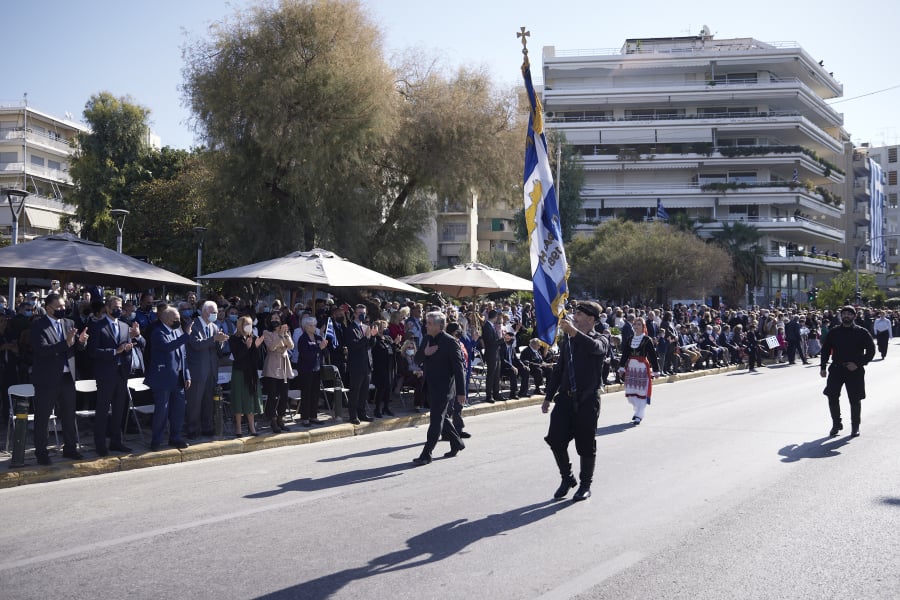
247, 330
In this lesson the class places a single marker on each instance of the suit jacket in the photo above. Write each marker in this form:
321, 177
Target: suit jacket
445, 374
203, 350
51, 353
167, 359
490, 341
531, 357
588, 350
360, 355
104, 338
509, 356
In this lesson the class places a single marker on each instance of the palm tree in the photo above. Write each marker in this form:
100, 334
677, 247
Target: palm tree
741, 241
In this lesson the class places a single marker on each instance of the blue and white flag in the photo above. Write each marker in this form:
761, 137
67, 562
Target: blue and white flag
549, 268
876, 208
330, 335
661, 210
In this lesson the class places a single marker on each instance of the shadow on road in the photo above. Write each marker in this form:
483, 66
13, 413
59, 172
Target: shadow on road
890, 501
375, 452
821, 448
430, 546
614, 428
338, 479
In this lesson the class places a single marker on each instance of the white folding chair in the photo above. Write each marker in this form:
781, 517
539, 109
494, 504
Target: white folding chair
24, 390
136, 384
85, 386
331, 384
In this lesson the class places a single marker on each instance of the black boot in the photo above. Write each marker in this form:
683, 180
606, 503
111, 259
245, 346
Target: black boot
423, 459
835, 428
565, 471
586, 476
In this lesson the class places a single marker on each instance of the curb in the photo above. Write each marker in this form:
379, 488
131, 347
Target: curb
113, 464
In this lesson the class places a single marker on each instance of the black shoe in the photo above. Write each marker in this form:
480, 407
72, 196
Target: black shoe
376, 415
636, 421
180, 444
102, 452
489, 400
355, 421
73, 454
120, 448
465, 434
567, 484
366, 418
154, 447
835, 429
422, 461
44, 460
208, 433
192, 435
854, 432
388, 412
583, 493
252, 433
454, 452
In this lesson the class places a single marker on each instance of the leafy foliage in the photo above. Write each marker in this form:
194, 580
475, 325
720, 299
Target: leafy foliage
841, 290
741, 241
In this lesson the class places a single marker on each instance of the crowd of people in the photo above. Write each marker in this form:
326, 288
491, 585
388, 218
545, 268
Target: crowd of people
179, 347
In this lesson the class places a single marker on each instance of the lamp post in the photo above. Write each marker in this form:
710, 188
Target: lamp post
118, 215
16, 199
200, 232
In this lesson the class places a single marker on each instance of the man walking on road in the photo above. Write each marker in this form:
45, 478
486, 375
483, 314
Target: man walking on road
853, 348
445, 378
574, 387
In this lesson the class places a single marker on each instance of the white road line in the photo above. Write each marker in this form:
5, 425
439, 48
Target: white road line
591, 578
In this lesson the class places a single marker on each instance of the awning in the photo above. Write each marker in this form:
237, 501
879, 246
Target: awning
628, 135
683, 134
42, 219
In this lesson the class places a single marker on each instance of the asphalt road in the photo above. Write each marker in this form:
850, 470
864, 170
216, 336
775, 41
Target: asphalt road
729, 489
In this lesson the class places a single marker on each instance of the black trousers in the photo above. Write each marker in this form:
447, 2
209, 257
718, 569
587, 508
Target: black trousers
309, 394
276, 391
439, 424
359, 392
111, 393
854, 383
58, 395
492, 378
570, 420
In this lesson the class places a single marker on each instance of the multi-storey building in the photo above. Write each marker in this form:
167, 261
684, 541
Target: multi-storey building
462, 229
723, 131
867, 222
35, 150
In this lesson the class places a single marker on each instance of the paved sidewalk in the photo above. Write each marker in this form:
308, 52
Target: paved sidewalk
142, 457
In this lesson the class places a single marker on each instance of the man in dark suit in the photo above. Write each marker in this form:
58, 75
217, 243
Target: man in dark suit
490, 343
111, 345
533, 361
360, 340
445, 378
203, 345
53, 340
512, 367
168, 377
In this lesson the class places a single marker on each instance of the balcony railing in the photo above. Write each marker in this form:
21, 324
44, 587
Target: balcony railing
38, 137
714, 47
779, 222
42, 172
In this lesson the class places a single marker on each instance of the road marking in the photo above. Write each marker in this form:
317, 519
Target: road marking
587, 580
137, 537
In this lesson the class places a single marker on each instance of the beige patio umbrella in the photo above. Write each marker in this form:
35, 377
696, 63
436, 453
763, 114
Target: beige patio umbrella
67, 257
469, 279
319, 268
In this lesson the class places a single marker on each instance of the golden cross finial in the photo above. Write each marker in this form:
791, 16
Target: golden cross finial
522, 33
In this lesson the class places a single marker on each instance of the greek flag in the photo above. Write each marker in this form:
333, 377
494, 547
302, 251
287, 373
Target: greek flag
876, 224
330, 335
661, 210
549, 269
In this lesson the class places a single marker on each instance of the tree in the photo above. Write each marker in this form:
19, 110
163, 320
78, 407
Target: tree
107, 166
841, 290
742, 244
571, 180
627, 260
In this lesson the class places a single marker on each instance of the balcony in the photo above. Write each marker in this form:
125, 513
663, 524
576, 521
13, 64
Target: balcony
46, 140
800, 229
19, 168
805, 263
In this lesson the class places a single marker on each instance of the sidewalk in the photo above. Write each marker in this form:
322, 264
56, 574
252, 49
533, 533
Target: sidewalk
142, 457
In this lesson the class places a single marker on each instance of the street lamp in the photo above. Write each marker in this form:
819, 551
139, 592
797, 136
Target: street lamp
118, 215
200, 232
16, 199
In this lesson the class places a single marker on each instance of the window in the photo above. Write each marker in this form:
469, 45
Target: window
892, 155
54, 165
736, 78
742, 177
9, 157
892, 200
497, 225
453, 231
590, 214
37, 161
892, 178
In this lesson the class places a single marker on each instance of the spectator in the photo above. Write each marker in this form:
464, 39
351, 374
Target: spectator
276, 372
245, 389
384, 366
310, 347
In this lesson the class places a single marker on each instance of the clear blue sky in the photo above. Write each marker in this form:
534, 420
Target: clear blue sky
62, 51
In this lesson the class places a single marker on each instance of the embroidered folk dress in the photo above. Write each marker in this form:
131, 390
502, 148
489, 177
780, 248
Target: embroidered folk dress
639, 362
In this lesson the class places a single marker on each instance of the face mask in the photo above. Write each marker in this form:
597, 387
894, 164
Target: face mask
274, 325
2, 305
361, 317
267, 310
115, 313
410, 352
175, 325
255, 322
247, 330
59, 313
212, 317
233, 318
28, 313
187, 314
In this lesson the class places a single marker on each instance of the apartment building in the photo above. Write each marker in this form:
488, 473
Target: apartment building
867, 221
35, 150
716, 131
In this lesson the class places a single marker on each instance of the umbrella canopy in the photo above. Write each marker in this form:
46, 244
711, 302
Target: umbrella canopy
69, 258
469, 279
317, 267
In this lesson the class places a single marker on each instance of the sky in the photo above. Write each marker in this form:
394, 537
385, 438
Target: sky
68, 50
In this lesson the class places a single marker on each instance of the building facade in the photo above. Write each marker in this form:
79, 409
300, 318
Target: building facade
879, 257
715, 131
35, 150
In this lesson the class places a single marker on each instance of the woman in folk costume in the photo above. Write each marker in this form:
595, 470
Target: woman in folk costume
639, 366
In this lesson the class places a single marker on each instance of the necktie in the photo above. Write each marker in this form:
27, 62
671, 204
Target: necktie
571, 368
59, 330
